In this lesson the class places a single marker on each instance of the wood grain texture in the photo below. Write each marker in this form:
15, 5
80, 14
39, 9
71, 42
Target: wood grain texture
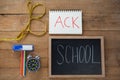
13, 74
90, 22
100, 18
16, 7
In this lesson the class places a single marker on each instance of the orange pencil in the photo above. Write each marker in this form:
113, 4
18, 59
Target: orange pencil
21, 63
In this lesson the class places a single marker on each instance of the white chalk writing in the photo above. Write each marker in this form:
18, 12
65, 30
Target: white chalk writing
79, 54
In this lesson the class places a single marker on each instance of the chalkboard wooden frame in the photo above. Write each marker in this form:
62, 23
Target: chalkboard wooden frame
78, 37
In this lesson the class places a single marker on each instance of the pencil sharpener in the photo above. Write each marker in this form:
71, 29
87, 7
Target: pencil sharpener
33, 63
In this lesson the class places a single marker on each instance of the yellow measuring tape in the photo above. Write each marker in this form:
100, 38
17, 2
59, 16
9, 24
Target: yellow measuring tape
27, 29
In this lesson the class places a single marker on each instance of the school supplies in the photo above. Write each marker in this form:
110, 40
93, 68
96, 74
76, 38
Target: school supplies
23, 49
20, 47
27, 29
65, 22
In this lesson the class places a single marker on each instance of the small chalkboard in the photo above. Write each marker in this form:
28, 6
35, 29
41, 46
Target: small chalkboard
77, 56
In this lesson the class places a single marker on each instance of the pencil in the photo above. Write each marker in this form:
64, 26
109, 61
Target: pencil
24, 65
21, 63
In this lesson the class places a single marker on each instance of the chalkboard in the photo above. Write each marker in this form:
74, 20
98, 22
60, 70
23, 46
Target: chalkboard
76, 56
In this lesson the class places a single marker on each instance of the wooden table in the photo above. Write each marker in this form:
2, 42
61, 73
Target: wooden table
100, 18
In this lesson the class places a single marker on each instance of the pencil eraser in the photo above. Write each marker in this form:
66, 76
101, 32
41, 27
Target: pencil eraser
20, 47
